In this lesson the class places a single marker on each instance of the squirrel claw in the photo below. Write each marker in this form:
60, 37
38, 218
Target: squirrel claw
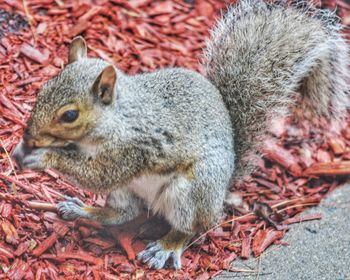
157, 257
71, 209
75, 200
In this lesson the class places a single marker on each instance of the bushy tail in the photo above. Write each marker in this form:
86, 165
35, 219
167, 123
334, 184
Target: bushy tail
260, 54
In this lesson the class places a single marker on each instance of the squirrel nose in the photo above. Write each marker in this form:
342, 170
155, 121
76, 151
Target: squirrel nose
29, 142
20, 151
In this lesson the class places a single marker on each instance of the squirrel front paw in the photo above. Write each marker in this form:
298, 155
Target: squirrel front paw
72, 208
157, 257
35, 160
30, 158
166, 251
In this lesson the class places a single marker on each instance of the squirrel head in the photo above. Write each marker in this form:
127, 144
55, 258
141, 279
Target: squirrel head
68, 106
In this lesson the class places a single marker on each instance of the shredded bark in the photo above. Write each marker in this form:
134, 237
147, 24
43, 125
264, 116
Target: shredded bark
301, 164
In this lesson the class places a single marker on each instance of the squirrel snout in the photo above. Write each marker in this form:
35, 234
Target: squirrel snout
19, 153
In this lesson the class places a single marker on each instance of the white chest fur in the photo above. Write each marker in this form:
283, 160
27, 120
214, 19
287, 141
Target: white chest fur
148, 187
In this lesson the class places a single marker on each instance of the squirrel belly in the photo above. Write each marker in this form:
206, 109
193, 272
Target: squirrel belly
172, 140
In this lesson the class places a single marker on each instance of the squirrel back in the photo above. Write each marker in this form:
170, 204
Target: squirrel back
260, 54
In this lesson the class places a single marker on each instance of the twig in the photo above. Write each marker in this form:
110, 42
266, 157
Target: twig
14, 188
217, 226
297, 205
287, 202
237, 269
303, 218
41, 206
30, 20
259, 267
249, 214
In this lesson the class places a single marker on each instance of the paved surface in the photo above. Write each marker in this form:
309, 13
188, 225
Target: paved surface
318, 250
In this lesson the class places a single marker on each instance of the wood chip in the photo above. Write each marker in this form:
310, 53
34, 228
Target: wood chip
45, 245
141, 36
331, 168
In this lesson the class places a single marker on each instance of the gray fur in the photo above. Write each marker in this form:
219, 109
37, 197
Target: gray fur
259, 54
160, 119
172, 127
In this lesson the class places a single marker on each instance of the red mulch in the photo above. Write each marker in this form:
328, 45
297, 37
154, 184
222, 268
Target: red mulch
140, 35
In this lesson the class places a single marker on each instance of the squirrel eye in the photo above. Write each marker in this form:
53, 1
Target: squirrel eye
69, 116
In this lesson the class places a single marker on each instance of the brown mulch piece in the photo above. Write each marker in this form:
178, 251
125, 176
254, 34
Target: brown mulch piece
298, 169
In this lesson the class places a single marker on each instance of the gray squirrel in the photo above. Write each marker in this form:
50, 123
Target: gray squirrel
173, 141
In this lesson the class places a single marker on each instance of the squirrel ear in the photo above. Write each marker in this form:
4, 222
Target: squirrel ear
77, 49
104, 85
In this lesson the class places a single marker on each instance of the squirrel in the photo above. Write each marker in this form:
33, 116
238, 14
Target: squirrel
172, 141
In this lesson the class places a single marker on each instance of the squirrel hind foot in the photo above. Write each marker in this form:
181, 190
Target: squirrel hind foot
165, 252
158, 257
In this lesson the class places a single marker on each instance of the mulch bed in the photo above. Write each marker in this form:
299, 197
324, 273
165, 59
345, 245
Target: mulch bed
303, 162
